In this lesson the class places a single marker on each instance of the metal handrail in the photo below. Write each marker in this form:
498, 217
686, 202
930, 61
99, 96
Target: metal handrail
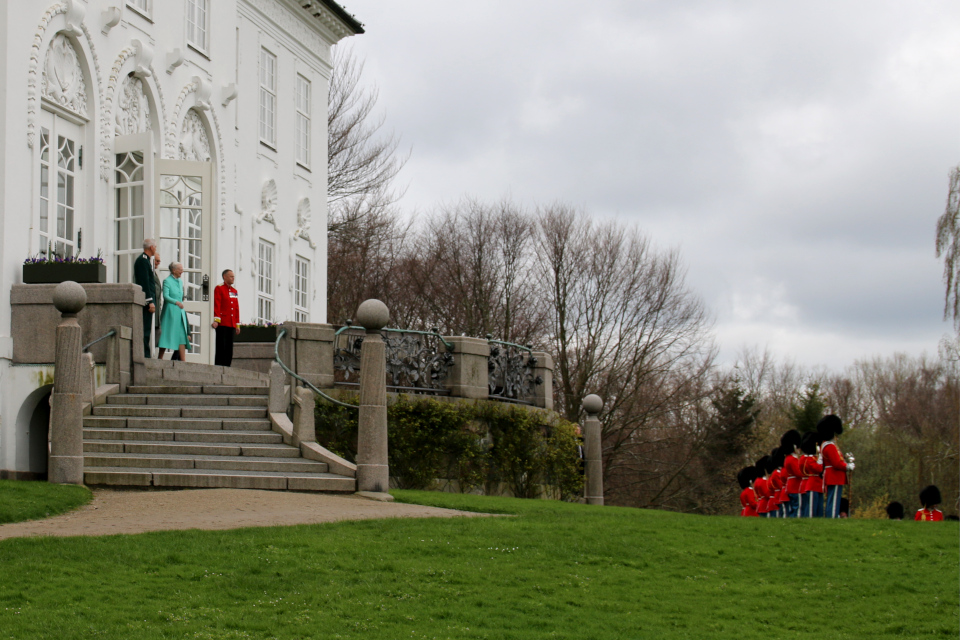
112, 332
276, 356
528, 349
435, 333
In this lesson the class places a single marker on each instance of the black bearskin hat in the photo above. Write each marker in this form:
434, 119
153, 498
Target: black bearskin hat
744, 477
808, 443
930, 497
895, 511
845, 506
777, 456
765, 465
829, 426
789, 440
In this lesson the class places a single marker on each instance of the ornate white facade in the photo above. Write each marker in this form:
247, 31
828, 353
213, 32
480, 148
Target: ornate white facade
125, 119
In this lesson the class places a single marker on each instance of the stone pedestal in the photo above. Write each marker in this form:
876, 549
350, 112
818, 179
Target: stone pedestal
66, 407
469, 376
304, 429
373, 471
543, 392
593, 450
120, 357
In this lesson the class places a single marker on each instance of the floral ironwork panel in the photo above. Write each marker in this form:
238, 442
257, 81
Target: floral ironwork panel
415, 361
511, 372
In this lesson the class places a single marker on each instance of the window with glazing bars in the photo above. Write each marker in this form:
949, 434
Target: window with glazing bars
265, 285
301, 283
197, 23
303, 121
268, 98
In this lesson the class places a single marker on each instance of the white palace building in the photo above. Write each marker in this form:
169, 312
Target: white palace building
201, 123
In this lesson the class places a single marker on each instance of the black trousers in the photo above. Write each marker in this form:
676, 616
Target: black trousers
224, 354
147, 329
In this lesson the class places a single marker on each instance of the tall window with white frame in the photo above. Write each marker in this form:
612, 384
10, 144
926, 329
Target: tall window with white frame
198, 24
301, 285
303, 121
268, 98
59, 167
140, 6
265, 284
129, 212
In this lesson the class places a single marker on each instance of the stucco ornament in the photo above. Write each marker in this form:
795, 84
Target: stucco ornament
63, 78
194, 144
268, 203
303, 222
133, 108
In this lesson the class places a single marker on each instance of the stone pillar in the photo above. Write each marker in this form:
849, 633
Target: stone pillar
314, 351
593, 452
277, 400
303, 417
88, 375
373, 470
470, 374
543, 392
119, 357
66, 407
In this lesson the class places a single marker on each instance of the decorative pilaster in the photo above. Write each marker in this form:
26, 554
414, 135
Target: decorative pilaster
66, 408
593, 451
373, 470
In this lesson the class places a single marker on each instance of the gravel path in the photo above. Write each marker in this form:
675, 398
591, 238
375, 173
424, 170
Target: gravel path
117, 511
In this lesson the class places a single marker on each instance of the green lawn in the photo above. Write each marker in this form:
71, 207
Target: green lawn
21, 500
553, 571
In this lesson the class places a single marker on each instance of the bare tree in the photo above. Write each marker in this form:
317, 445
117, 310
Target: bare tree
626, 327
948, 246
362, 161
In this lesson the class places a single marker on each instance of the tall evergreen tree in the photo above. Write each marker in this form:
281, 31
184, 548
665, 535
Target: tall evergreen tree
807, 413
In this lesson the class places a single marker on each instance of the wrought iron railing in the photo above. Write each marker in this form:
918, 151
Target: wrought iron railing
511, 372
417, 361
308, 384
112, 332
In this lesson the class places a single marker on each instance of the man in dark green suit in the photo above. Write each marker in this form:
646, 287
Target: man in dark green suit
143, 276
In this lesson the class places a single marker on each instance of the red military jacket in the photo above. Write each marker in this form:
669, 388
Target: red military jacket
777, 483
226, 306
761, 486
834, 467
811, 475
931, 515
791, 467
748, 498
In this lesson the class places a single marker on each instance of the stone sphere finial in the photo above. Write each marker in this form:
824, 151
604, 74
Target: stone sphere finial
592, 404
373, 315
69, 298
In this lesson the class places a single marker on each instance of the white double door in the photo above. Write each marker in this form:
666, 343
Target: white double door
184, 231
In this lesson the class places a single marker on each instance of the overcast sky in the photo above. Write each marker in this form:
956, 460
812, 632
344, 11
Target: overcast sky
795, 154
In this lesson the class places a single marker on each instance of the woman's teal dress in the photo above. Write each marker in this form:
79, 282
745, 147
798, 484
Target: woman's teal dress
173, 320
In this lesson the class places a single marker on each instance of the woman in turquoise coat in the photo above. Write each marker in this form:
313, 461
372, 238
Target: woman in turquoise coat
174, 332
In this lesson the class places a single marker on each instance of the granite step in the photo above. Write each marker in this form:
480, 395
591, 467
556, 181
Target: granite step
166, 411
199, 389
182, 435
160, 477
195, 448
187, 461
211, 424
185, 399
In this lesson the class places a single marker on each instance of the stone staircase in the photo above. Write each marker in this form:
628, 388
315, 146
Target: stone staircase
178, 432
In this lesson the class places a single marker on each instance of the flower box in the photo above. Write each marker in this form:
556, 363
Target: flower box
256, 334
56, 272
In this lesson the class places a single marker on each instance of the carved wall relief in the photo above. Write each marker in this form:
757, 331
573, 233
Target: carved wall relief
63, 82
133, 109
303, 222
194, 144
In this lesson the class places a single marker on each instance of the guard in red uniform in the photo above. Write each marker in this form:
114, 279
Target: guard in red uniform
778, 482
834, 466
762, 486
226, 318
811, 486
748, 497
790, 444
929, 498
